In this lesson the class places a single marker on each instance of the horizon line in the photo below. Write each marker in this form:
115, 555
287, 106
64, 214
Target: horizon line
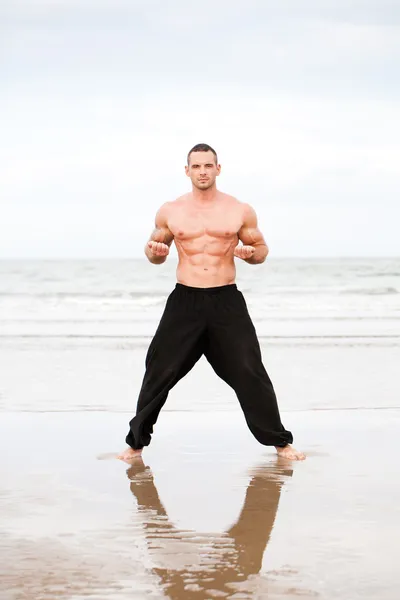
175, 258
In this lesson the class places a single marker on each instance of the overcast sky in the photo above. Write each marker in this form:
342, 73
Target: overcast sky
100, 100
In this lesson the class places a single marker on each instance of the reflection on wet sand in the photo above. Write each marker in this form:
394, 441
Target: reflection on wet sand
207, 566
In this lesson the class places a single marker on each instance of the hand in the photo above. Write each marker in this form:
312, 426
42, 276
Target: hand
244, 252
158, 248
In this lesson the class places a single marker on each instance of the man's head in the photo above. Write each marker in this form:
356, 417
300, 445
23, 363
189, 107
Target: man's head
202, 167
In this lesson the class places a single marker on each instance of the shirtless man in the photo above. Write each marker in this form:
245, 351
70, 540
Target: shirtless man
206, 313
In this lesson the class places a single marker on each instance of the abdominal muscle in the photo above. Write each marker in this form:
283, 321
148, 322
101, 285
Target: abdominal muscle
206, 263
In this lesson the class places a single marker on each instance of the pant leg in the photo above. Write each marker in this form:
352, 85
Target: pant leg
177, 345
234, 353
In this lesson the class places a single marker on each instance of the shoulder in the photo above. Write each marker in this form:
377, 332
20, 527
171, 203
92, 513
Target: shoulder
168, 207
245, 210
173, 205
230, 202
180, 201
235, 202
228, 198
248, 210
163, 214
248, 215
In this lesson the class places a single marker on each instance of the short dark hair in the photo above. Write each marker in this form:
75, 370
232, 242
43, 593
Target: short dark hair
202, 148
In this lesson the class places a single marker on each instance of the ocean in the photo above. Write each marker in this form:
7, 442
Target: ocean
210, 513
74, 333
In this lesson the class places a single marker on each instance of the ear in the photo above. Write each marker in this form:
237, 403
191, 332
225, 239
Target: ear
187, 170
218, 169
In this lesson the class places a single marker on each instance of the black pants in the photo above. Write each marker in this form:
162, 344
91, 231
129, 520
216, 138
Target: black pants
214, 322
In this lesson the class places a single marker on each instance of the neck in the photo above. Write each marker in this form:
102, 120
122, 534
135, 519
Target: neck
205, 196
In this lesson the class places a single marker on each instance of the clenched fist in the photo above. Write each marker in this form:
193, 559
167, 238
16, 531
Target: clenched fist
158, 248
244, 251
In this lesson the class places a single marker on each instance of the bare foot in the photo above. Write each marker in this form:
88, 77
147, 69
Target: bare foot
290, 453
129, 455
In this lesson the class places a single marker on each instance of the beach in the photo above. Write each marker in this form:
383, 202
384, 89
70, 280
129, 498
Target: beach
208, 512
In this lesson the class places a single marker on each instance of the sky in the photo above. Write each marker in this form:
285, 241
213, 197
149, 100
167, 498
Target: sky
100, 101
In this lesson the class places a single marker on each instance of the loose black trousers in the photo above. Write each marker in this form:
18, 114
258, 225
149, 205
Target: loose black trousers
214, 322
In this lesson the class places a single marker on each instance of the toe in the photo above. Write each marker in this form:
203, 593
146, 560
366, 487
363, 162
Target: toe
300, 456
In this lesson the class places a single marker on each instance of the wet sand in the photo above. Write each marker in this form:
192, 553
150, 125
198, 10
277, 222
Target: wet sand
106, 374
208, 513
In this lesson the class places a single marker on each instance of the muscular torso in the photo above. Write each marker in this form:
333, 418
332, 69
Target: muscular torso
206, 237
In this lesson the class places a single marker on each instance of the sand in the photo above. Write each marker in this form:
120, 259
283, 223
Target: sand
209, 513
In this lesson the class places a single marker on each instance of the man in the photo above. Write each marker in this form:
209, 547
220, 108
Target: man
235, 557
206, 313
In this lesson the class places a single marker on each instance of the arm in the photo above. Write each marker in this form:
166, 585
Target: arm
251, 236
157, 248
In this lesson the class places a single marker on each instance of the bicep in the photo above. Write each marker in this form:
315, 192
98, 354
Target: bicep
161, 232
249, 233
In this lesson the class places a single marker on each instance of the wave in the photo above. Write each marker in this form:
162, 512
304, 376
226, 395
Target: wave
65, 295
383, 291
381, 274
144, 297
144, 336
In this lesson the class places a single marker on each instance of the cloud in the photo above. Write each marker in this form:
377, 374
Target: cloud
103, 99
176, 11
287, 44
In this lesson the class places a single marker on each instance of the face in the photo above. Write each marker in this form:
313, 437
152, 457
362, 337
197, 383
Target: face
202, 169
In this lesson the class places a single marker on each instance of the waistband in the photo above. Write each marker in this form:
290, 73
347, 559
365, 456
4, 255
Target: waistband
211, 290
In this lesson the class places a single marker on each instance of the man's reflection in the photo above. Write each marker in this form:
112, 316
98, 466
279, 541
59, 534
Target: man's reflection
211, 565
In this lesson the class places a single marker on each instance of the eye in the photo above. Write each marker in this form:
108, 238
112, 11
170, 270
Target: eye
195, 166
209, 166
